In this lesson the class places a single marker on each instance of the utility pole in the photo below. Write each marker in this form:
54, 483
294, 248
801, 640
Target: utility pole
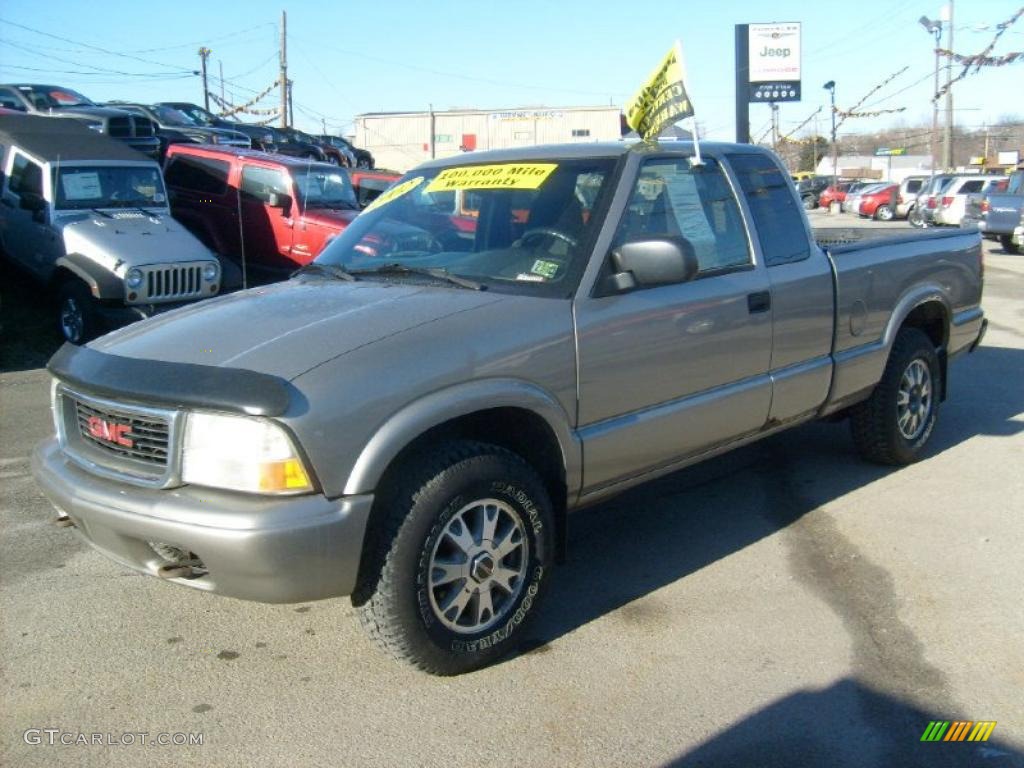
221, 65
433, 148
204, 54
947, 144
283, 78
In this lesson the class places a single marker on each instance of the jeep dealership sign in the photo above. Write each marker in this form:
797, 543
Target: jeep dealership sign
774, 57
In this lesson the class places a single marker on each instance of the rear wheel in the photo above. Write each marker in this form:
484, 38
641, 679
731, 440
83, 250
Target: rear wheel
462, 550
883, 213
915, 219
77, 319
1008, 245
895, 423
810, 203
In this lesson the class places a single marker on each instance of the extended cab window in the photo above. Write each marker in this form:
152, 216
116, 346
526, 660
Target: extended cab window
778, 218
197, 174
671, 198
260, 183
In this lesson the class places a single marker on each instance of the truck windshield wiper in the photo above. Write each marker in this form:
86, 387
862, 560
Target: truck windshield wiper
325, 270
102, 212
154, 214
437, 273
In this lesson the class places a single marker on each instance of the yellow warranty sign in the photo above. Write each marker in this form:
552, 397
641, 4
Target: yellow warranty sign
394, 192
506, 176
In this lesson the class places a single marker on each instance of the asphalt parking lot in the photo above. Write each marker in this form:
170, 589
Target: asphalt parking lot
782, 605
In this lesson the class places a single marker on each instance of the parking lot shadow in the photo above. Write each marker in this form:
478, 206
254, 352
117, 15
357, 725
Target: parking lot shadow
847, 724
28, 322
665, 530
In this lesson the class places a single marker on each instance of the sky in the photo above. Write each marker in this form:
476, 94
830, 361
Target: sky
347, 58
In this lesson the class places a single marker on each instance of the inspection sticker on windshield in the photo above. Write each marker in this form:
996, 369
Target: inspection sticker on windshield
544, 268
81, 186
395, 192
506, 176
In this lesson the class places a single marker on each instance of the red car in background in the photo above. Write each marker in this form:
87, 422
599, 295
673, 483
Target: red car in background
270, 213
880, 204
368, 185
835, 193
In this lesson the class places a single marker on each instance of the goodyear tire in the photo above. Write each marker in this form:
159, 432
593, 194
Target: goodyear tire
894, 424
462, 551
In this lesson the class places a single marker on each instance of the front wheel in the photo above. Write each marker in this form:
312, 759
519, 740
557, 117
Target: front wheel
810, 203
894, 424
456, 567
1008, 245
883, 213
915, 219
76, 317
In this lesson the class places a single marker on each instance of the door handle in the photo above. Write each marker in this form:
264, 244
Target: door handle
759, 302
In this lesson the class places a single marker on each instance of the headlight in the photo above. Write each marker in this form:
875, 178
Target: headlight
98, 127
133, 277
210, 272
241, 453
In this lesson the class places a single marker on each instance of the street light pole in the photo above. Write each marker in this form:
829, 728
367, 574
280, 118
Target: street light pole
830, 86
947, 142
934, 28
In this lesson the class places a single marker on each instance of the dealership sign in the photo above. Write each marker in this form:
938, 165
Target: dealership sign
774, 60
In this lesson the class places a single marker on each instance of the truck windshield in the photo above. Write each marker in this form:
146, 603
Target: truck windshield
526, 228
1016, 183
103, 186
324, 188
46, 97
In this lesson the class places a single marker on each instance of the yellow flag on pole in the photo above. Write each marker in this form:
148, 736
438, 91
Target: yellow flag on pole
663, 99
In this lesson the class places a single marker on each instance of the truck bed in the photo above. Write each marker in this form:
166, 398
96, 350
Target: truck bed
843, 239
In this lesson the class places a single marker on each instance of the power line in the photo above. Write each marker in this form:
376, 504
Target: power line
99, 70
92, 47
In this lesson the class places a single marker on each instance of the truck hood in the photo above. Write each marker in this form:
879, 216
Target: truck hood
88, 111
132, 239
288, 328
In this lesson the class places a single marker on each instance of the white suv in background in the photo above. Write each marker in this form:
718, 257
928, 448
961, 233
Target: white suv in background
952, 203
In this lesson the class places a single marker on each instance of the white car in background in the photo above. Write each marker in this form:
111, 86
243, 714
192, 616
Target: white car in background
951, 206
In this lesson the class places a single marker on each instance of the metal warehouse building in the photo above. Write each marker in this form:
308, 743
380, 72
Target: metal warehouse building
401, 140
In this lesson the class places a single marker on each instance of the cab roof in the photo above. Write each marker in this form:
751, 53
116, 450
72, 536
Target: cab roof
228, 153
63, 138
606, 149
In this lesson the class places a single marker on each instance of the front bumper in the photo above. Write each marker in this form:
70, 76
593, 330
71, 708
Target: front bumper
268, 549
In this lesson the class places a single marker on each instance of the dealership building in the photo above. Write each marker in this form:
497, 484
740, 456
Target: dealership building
402, 140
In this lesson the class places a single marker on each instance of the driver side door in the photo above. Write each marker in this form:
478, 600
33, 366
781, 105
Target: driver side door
268, 210
671, 371
27, 236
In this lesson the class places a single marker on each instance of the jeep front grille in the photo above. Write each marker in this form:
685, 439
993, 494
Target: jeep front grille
173, 282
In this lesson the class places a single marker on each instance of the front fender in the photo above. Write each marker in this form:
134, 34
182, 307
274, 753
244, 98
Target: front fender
463, 399
103, 283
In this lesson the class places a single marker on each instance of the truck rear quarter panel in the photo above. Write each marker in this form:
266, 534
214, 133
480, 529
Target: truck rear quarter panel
878, 284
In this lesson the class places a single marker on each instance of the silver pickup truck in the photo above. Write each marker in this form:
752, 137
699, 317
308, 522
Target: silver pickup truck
410, 418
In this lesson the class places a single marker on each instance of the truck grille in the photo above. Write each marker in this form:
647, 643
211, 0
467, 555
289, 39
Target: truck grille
126, 442
130, 127
174, 282
144, 439
144, 126
119, 127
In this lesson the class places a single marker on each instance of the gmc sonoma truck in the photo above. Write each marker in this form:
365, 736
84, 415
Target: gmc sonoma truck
410, 418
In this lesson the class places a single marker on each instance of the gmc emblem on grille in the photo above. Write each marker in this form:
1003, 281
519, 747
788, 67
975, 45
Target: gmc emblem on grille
110, 431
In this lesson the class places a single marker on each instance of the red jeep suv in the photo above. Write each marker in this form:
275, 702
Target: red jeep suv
269, 213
